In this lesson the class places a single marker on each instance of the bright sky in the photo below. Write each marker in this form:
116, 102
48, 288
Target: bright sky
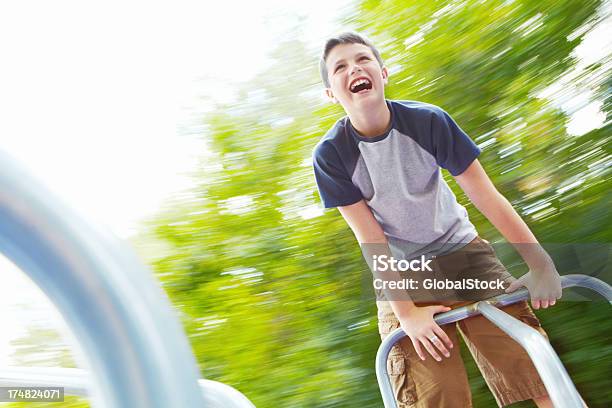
101, 100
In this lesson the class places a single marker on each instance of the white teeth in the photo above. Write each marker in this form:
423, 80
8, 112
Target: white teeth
359, 82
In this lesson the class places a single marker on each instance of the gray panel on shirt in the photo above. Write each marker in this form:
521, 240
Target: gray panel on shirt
403, 186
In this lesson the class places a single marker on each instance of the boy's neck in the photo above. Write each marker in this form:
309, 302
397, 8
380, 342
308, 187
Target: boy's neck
372, 121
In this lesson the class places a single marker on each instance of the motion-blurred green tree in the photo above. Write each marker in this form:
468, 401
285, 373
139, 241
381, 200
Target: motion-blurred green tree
270, 289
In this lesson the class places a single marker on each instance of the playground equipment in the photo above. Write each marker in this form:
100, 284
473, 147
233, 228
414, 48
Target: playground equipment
135, 350
560, 387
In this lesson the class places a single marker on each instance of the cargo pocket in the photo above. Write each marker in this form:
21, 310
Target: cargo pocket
404, 389
398, 366
387, 326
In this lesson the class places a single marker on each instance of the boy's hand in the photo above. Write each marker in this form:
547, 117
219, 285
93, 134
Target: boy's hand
544, 286
420, 326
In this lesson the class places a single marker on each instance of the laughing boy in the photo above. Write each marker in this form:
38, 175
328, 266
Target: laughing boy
380, 166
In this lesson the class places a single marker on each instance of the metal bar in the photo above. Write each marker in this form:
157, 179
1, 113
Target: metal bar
135, 350
464, 312
133, 344
78, 382
557, 381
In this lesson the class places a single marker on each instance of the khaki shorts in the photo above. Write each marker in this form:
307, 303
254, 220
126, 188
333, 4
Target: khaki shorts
506, 367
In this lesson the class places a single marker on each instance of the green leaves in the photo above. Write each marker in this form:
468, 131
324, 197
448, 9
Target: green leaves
271, 289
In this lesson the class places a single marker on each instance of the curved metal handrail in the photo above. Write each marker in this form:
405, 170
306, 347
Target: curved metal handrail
135, 349
473, 309
557, 381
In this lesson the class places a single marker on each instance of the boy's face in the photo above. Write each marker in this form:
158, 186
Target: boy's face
356, 79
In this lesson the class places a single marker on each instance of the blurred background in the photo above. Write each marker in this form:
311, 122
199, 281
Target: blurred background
187, 129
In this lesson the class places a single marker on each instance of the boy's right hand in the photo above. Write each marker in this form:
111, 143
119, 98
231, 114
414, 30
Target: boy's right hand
420, 326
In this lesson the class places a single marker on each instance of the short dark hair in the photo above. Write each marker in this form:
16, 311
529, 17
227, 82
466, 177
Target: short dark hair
344, 38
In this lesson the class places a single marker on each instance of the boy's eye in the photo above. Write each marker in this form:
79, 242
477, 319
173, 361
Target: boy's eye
364, 58
338, 67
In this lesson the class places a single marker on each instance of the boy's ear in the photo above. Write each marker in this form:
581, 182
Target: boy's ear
385, 75
330, 95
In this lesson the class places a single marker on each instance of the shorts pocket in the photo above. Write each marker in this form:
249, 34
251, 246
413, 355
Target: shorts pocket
396, 364
403, 386
387, 326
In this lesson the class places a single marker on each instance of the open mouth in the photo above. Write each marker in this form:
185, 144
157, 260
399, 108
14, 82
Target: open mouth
360, 84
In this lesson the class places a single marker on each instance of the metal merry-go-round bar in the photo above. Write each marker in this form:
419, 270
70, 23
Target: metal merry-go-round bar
134, 349
560, 387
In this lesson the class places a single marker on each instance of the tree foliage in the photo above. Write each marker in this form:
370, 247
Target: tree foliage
270, 289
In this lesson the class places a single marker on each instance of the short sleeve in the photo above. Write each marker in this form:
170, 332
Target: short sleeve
335, 186
453, 148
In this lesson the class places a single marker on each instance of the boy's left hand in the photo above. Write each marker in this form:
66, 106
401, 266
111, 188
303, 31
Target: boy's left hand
544, 286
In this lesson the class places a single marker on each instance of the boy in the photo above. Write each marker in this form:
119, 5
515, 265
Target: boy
380, 166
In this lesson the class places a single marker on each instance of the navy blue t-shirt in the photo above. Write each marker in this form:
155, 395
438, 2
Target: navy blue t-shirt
398, 175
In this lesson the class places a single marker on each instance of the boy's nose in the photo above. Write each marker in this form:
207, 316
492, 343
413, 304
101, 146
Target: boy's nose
355, 68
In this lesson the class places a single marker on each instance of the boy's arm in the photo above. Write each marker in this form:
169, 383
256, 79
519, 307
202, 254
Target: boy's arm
417, 322
542, 280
